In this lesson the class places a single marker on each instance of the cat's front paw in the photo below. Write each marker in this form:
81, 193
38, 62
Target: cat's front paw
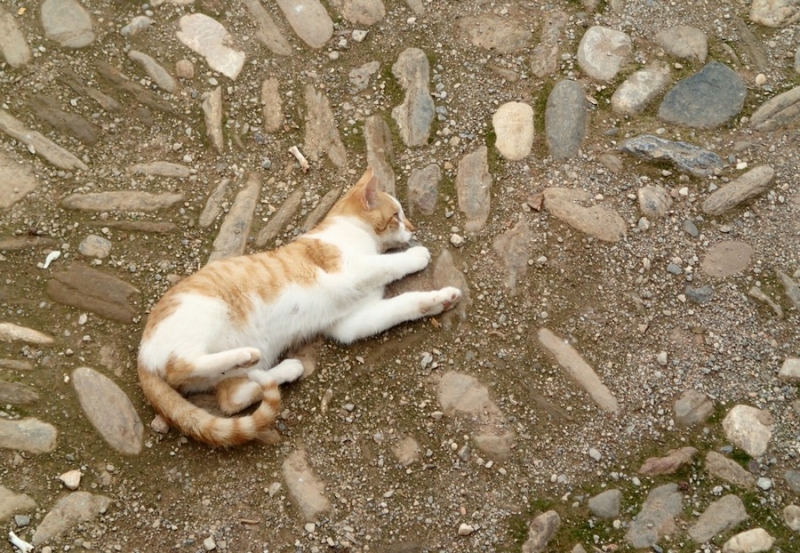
440, 301
419, 257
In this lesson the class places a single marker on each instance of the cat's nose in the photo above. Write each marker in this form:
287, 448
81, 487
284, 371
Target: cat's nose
408, 224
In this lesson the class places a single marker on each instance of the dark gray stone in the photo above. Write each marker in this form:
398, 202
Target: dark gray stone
686, 157
565, 119
606, 505
792, 478
699, 294
691, 228
707, 99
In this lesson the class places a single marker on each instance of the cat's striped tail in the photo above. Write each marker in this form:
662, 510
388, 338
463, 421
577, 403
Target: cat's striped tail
199, 424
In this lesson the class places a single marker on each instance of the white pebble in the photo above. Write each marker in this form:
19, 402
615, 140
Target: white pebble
465, 529
71, 479
457, 240
209, 544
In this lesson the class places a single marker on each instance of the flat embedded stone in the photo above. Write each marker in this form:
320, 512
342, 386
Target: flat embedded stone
13, 503
235, 229
642, 87
267, 32
15, 393
686, 157
380, 152
309, 20
751, 184
674, 460
92, 290
779, 112
602, 223
13, 46
575, 366
685, 42
109, 410
496, 33
157, 73
39, 144
707, 99
68, 512
726, 258
720, 516
31, 435
565, 119
67, 22
692, 407
415, 115
362, 12
729, 470
513, 126
602, 51
9, 332
775, 13
656, 518
749, 428
208, 38
322, 135
423, 189
474, 184
280, 219
122, 200
305, 488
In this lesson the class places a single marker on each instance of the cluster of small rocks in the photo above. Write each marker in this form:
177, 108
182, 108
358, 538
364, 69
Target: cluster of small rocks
613, 187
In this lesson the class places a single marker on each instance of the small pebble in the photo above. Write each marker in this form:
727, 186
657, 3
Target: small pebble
465, 529
209, 544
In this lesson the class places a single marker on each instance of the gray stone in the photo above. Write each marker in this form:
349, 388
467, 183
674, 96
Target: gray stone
208, 38
137, 25
777, 113
797, 60
31, 435
657, 517
161, 169
540, 531
602, 223
309, 20
380, 153
775, 13
751, 184
361, 12
654, 201
683, 41
513, 126
790, 288
17, 180
726, 258
640, 89
791, 516
15, 393
305, 489
12, 503
699, 294
606, 505
235, 229
719, 517
272, 105
565, 119
155, 71
67, 22
493, 32
756, 293
445, 273
407, 451
790, 370
95, 291
322, 208
415, 115
416, 6
474, 184
462, 395
574, 365
212, 115
729, 470
602, 51
267, 32
70, 124
544, 58
109, 410
706, 99
38, 144
749, 428
423, 189
69, 511
692, 408
280, 219
690, 228
121, 200
674, 460
322, 136
9, 332
514, 248
359, 77
792, 478
611, 162
686, 157
13, 46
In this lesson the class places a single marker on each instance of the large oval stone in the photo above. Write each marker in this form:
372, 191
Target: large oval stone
109, 410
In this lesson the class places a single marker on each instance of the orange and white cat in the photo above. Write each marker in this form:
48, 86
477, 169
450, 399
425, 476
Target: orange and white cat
226, 326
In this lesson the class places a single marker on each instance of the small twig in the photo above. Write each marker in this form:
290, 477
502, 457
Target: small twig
20, 544
249, 521
295, 151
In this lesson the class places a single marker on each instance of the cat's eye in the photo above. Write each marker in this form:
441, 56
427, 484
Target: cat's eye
397, 215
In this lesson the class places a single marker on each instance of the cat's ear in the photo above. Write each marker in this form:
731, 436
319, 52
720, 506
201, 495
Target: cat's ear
369, 192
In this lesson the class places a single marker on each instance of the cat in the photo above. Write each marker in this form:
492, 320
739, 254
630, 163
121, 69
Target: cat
226, 326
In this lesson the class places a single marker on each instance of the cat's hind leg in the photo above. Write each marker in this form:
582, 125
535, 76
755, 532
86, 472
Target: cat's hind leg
374, 317
212, 364
240, 392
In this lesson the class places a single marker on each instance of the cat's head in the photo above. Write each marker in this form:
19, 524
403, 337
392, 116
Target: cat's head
377, 211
